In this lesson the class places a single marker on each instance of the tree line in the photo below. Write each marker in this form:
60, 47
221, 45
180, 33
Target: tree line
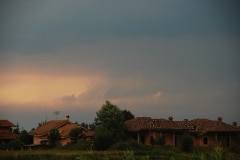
109, 127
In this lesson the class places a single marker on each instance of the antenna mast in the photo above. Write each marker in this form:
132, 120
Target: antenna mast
56, 113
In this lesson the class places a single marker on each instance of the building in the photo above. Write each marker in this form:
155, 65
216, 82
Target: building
205, 132
6, 131
40, 134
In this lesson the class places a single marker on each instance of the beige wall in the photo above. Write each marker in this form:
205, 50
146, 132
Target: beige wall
36, 140
64, 141
175, 139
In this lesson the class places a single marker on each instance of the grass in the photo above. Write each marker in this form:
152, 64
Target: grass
150, 153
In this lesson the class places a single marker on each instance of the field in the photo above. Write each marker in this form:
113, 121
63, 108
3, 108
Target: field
156, 153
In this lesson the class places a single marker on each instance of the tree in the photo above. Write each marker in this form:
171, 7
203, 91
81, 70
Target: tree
85, 125
25, 137
54, 136
109, 122
127, 115
75, 134
42, 123
92, 126
16, 130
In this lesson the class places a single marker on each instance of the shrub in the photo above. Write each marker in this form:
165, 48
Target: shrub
217, 153
15, 144
103, 140
160, 140
131, 144
187, 143
129, 155
88, 156
80, 145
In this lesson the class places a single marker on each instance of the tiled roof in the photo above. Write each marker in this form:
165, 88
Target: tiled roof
206, 125
8, 136
146, 123
48, 126
197, 125
6, 123
65, 130
64, 127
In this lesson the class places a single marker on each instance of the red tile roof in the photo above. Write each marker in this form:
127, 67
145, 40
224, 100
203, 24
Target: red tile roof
65, 130
147, 123
44, 129
205, 125
64, 127
6, 123
197, 125
8, 136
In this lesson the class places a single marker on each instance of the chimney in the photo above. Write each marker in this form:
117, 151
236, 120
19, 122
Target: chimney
234, 124
170, 118
67, 117
219, 119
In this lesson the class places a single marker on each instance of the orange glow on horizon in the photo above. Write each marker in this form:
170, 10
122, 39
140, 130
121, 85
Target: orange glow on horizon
39, 88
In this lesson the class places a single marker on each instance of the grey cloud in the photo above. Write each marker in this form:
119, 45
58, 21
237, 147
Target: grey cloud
88, 21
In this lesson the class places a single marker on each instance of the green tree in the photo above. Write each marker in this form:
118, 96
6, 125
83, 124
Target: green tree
127, 115
25, 137
75, 134
16, 130
85, 125
110, 122
92, 126
42, 123
54, 136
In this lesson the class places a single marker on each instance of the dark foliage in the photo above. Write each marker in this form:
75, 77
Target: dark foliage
16, 144
127, 115
54, 136
187, 143
75, 134
103, 139
25, 137
110, 126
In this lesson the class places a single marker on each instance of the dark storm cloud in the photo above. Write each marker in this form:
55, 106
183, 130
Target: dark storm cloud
159, 58
45, 25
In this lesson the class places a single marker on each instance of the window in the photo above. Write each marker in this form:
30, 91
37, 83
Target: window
205, 140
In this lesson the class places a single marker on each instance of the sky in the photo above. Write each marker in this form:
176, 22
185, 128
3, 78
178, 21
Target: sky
154, 58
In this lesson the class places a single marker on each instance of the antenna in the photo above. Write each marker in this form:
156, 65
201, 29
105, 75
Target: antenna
56, 113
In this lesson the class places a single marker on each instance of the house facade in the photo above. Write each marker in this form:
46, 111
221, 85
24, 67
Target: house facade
6, 131
205, 132
40, 134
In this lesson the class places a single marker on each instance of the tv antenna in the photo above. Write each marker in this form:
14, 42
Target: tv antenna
56, 113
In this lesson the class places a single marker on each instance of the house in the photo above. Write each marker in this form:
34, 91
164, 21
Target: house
6, 131
205, 132
40, 134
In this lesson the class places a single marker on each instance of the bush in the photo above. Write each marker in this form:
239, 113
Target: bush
103, 140
160, 141
15, 144
131, 144
129, 155
81, 145
187, 143
217, 153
